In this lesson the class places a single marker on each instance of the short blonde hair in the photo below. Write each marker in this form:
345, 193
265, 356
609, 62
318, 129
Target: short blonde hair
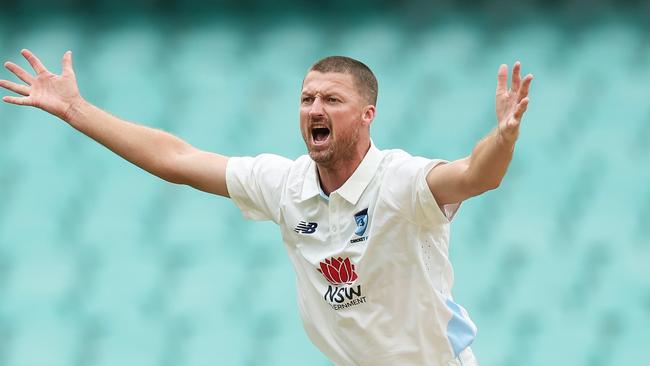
364, 79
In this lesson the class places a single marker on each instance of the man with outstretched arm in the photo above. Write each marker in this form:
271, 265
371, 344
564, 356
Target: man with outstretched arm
367, 230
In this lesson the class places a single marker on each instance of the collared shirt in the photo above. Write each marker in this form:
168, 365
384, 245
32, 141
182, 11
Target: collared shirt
371, 260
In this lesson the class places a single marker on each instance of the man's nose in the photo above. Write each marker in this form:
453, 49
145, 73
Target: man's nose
316, 109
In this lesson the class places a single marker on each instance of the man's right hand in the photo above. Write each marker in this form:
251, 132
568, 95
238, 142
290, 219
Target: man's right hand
153, 150
52, 93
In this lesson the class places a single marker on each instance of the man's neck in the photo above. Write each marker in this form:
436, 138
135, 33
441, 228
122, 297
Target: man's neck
333, 176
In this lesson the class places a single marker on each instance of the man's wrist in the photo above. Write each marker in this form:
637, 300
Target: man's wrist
74, 110
506, 141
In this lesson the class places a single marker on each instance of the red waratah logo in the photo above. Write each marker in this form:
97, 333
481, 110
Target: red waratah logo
338, 271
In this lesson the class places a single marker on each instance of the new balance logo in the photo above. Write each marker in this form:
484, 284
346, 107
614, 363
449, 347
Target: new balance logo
306, 227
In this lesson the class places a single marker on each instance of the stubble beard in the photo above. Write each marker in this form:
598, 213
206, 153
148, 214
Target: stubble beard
337, 152
322, 156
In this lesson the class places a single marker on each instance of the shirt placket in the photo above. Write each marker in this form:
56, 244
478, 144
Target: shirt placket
333, 210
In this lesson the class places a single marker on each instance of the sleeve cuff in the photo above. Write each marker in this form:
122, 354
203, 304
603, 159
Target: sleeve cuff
431, 207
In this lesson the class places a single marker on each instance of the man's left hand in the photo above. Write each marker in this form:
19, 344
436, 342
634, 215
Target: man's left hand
511, 103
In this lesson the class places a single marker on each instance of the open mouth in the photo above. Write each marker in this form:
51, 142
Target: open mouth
320, 134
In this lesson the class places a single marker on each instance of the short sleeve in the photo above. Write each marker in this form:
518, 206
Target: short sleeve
255, 184
410, 193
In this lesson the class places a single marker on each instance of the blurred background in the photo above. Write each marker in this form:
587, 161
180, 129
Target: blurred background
102, 264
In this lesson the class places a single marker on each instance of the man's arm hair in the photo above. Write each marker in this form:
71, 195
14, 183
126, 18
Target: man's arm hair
485, 168
153, 150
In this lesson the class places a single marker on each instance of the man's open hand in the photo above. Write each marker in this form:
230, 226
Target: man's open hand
52, 93
511, 103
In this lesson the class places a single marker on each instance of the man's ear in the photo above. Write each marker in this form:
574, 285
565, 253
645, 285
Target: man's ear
368, 114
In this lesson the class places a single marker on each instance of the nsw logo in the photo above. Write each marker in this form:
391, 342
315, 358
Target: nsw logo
305, 227
341, 292
361, 219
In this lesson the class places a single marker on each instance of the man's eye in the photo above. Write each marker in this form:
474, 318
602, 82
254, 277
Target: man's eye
332, 100
307, 99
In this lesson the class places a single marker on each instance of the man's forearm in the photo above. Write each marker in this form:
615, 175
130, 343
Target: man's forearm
489, 161
151, 149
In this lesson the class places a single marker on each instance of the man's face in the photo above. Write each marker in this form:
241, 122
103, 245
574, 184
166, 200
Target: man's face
331, 111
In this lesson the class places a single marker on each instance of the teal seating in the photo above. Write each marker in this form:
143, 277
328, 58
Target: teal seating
101, 264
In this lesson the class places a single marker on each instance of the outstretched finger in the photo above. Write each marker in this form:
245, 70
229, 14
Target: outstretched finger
14, 87
525, 86
66, 63
37, 65
20, 72
502, 79
521, 108
516, 76
17, 100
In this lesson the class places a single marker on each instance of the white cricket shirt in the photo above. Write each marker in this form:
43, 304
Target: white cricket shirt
371, 260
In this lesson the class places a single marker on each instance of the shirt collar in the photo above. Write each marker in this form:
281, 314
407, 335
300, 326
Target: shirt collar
352, 189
